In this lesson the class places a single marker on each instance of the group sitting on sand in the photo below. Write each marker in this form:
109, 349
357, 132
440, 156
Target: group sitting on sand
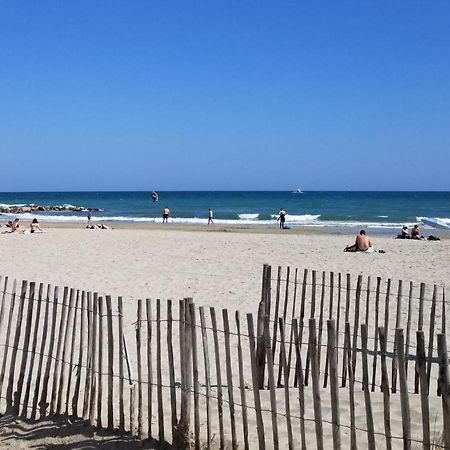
415, 234
14, 227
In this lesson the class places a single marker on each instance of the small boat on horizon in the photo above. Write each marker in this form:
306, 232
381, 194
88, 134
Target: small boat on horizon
297, 191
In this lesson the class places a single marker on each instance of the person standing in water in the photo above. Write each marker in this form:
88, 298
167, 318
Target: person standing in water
282, 217
166, 214
210, 216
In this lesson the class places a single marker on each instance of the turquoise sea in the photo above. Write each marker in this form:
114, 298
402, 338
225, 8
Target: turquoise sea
312, 208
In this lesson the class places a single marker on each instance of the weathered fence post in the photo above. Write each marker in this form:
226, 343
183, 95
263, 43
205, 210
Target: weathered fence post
257, 399
406, 418
444, 384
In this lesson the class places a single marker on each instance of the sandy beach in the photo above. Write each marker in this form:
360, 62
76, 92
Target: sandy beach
218, 267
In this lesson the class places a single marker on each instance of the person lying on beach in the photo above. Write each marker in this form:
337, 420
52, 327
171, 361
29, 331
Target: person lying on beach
35, 227
98, 226
13, 226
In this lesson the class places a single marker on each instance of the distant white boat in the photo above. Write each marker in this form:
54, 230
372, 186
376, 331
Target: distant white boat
297, 191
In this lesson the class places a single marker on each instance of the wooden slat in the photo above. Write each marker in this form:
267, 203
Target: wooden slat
375, 345
100, 364
431, 335
12, 365
330, 315
322, 301
276, 312
312, 344
404, 399
71, 350
311, 316
94, 357
347, 315
351, 387
65, 350
385, 389
397, 325
41, 355
59, 350
109, 323
419, 327
241, 385
43, 401
206, 365
161, 433
334, 387
286, 386
408, 324
8, 334
257, 399
195, 382
186, 399
356, 322
226, 327
444, 384
367, 401
271, 383
301, 385
291, 339
87, 380
121, 356
37, 325
171, 363
301, 322
76, 391
219, 376
421, 366
139, 367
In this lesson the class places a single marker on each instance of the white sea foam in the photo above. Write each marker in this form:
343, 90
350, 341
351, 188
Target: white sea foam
307, 220
12, 205
249, 216
302, 219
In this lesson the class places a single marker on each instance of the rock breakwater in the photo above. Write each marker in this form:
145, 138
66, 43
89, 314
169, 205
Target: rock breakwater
21, 209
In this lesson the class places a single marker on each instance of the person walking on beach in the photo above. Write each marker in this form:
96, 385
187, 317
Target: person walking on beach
282, 217
166, 214
210, 216
89, 215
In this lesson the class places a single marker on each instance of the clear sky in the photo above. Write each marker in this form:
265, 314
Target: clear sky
230, 95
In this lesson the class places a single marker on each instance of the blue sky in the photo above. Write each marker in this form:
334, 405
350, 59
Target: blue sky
187, 95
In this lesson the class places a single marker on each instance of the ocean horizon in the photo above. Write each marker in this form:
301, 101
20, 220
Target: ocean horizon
371, 209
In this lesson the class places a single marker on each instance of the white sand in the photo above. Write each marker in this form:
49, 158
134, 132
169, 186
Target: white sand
216, 268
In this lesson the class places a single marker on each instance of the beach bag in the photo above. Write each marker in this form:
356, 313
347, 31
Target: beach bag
351, 248
433, 238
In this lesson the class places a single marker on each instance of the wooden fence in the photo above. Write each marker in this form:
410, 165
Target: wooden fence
301, 295
191, 376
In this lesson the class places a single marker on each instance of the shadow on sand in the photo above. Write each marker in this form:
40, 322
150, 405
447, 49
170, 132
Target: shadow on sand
63, 433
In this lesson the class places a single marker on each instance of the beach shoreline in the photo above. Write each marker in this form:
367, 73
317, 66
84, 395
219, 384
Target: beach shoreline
235, 228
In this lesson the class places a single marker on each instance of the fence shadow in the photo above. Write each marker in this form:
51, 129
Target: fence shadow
63, 433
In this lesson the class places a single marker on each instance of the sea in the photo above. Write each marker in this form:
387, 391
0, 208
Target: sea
336, 209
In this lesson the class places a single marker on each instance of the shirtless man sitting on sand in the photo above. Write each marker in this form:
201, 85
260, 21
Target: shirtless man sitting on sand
363, 242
